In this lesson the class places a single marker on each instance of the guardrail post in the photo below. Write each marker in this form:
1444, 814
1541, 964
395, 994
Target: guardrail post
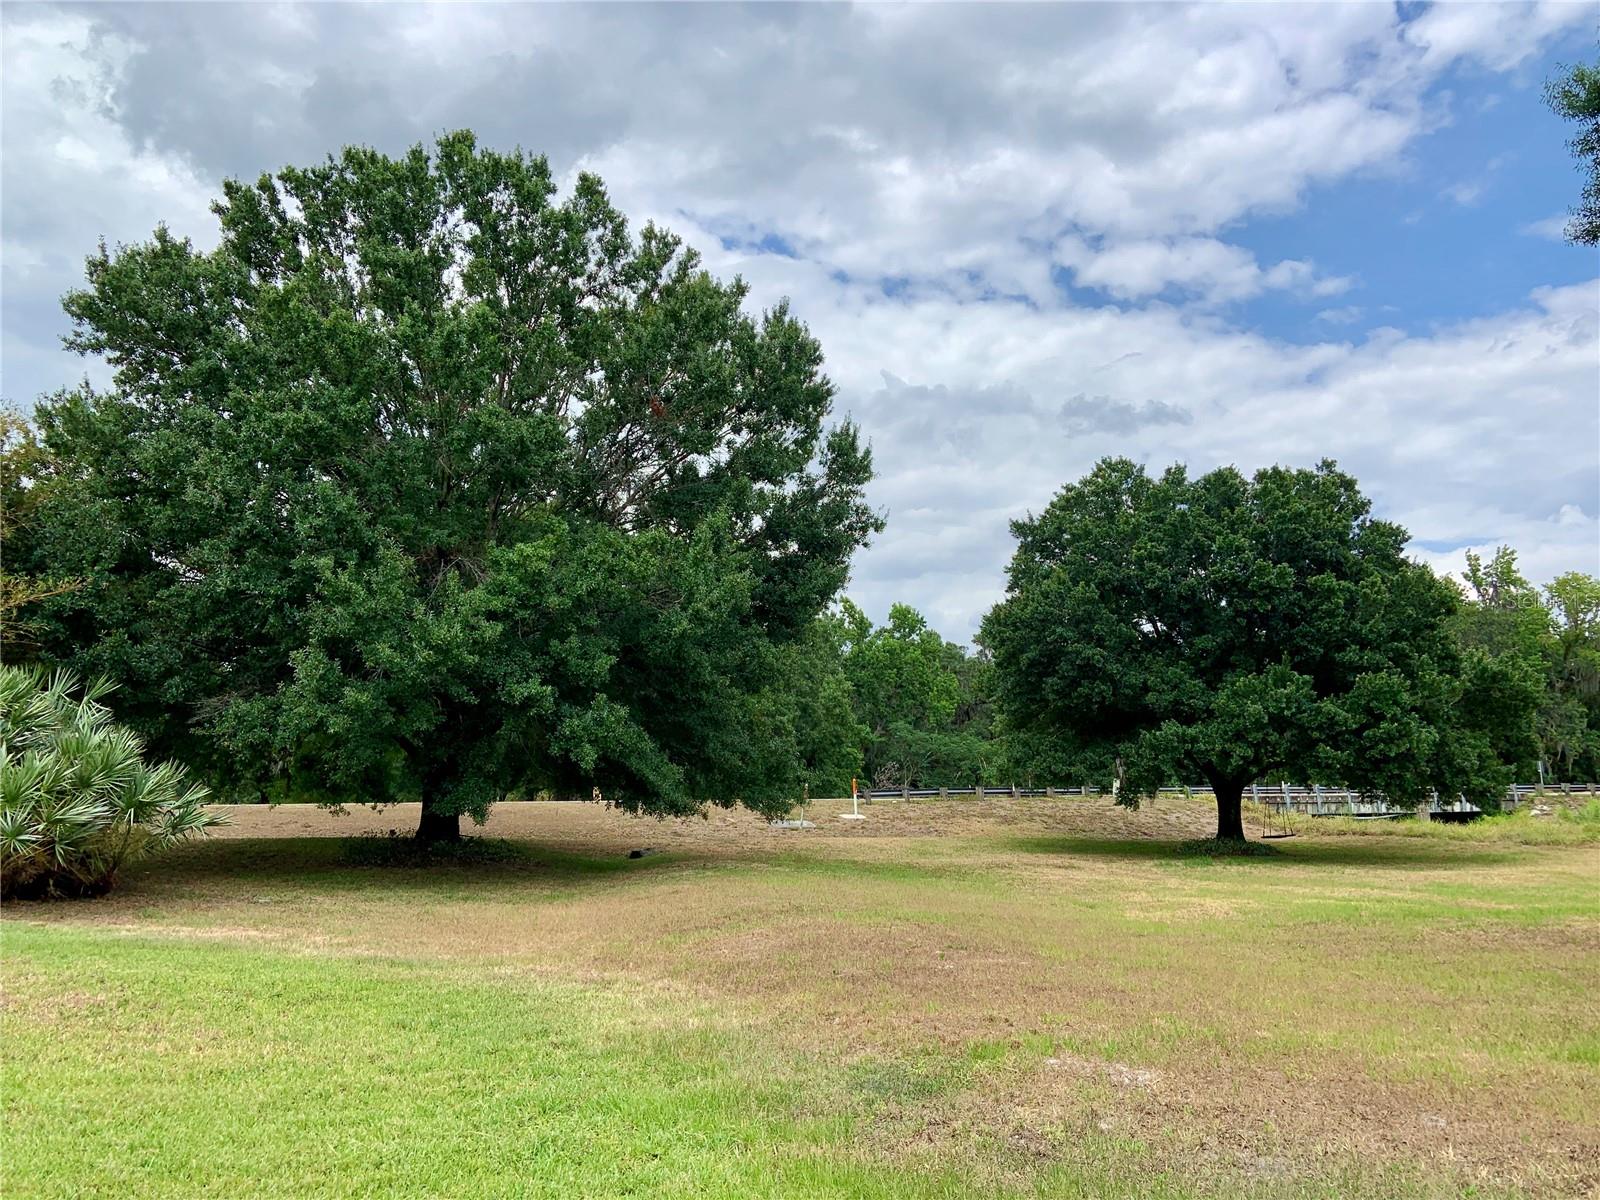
944, 793
977, 791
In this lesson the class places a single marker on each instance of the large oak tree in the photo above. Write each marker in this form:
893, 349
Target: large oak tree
1232, 629
430, 484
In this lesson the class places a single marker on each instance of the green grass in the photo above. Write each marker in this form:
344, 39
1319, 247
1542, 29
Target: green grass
147, 1068
1566, 824
925, 1017
216, 1070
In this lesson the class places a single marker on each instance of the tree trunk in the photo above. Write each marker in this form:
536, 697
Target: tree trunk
1230, 818
436, 826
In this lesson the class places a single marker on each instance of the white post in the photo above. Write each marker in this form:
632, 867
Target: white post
855, 811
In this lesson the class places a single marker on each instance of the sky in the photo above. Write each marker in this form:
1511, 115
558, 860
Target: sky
1027, 237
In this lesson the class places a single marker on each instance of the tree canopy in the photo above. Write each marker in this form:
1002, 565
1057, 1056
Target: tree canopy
922, 701
1570, 718
429, 484
24, 466
1237, 629
1548, 646
1575, 96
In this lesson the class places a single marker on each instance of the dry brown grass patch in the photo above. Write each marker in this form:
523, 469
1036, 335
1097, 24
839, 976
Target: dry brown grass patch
1342, 1001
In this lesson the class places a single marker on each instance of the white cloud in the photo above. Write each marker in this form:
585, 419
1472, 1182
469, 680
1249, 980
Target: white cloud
1201, 266
71, 177
1464, 436
966, 153
1553, 228
1500, 36
1344, 315
933, 144
1546, 547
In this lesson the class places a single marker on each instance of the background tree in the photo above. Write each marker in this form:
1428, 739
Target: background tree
1231, 629
806, 715
902, 690
974, 748
24, 475
1547, 646
425, 485
1575, 96
1505, 631
1571, 731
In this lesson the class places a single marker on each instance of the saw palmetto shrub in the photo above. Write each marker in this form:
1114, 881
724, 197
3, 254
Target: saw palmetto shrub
78, 801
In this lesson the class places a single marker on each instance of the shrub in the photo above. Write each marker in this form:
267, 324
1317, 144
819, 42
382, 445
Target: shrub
77, 799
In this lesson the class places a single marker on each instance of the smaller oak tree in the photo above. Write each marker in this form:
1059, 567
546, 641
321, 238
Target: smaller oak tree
1238, 629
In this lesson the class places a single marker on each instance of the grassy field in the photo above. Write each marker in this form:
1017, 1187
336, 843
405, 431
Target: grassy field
1005, 998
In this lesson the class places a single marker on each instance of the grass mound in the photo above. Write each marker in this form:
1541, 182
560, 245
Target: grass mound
1549, 820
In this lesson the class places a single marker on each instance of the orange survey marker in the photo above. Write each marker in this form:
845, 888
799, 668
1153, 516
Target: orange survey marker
855, 812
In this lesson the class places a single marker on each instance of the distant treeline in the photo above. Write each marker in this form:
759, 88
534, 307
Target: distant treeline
926, 715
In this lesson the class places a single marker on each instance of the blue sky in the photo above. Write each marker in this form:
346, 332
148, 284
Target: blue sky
1026, 236
1439, 237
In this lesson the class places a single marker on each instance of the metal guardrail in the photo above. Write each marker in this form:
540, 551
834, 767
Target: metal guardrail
1311, 801
868, 795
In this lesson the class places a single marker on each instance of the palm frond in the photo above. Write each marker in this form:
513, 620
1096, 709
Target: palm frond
77, 799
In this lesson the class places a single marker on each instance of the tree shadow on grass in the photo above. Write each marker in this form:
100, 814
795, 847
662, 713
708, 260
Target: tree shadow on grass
1289, 852
211, 870
377, 863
